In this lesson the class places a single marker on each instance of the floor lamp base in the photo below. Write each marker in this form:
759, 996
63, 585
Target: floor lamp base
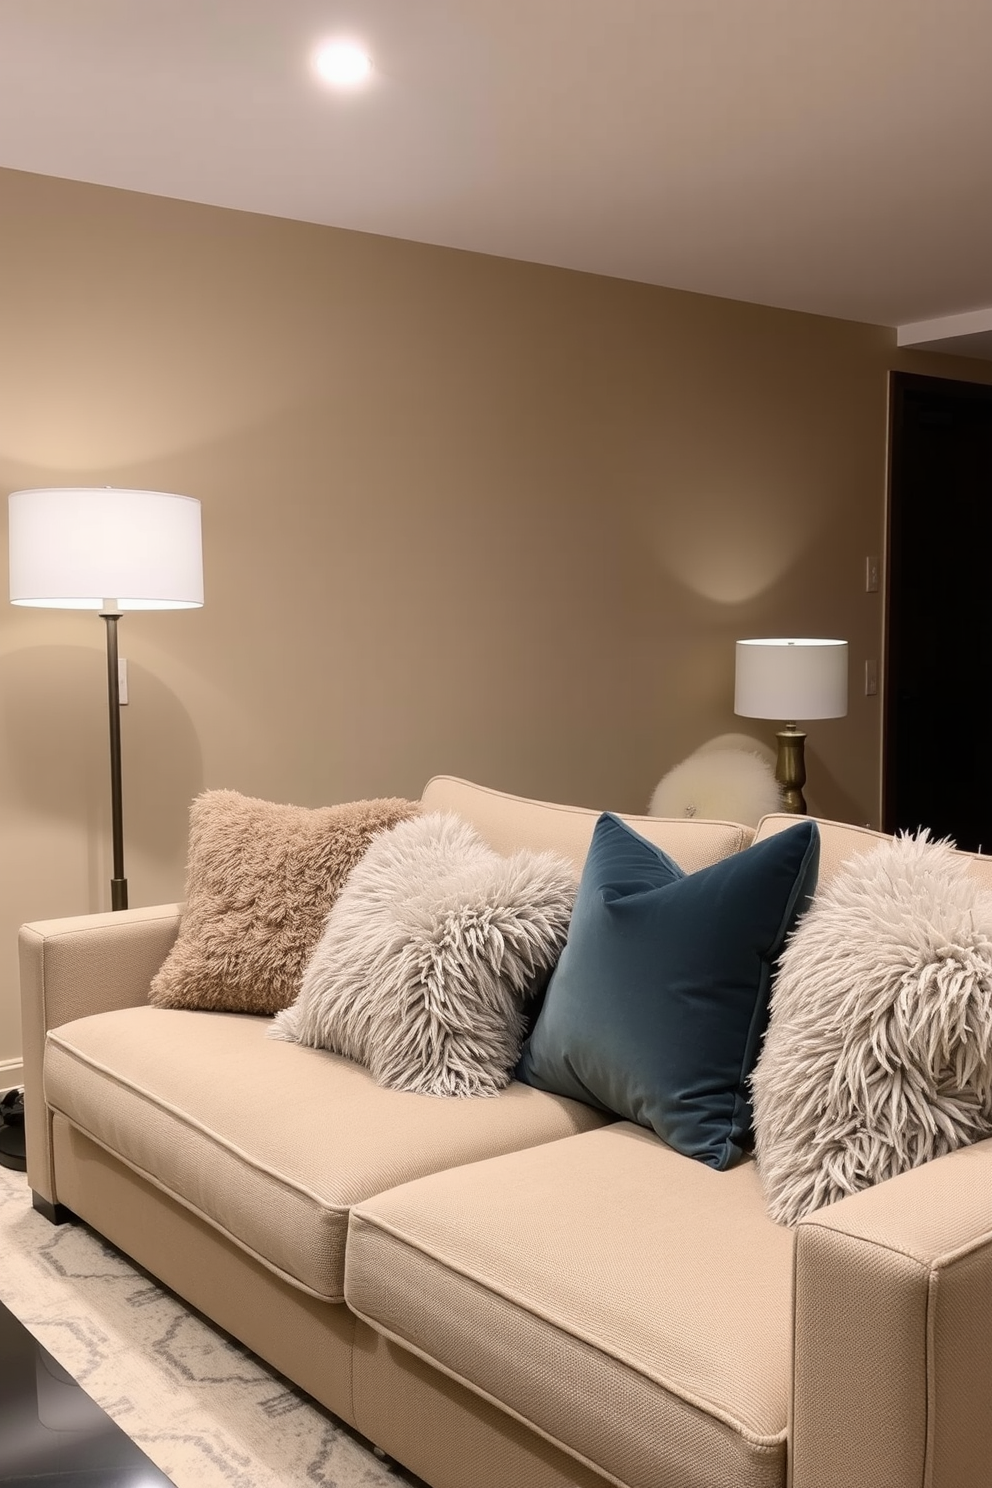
12, 1131
790, 768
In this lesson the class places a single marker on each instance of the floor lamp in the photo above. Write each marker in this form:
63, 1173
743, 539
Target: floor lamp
791, 679
107, 550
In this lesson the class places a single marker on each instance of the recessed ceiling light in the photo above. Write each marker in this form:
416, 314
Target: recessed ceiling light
343, 64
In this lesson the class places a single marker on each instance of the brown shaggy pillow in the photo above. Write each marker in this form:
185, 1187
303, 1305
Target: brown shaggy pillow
260, 879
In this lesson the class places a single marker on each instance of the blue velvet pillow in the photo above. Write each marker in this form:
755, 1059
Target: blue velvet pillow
658, 1005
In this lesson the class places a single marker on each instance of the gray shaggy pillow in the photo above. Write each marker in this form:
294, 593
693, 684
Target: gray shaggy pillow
878, 1054
428, 955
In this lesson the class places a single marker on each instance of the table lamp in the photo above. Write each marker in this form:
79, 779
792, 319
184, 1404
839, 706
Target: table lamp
791, 679
108, 550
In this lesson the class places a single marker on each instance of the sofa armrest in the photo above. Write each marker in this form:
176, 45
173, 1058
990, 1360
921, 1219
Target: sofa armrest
70, 968
892, 1368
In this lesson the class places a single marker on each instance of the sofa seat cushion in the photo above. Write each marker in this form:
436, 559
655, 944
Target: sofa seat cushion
272, 1142
631, 1305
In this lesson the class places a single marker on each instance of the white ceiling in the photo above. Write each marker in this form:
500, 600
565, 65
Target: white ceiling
830, 156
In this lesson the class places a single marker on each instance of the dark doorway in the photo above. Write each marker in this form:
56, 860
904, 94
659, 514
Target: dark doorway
938, 694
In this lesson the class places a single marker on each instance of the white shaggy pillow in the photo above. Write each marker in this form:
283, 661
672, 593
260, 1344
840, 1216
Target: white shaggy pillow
428, 956
747, 742
878, 1054
719, 785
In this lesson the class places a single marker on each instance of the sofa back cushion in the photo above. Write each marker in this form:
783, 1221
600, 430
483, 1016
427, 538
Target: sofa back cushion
509, 822
840, 841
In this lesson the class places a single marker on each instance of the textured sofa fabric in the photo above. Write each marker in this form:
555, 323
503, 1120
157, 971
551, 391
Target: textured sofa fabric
531, 1297
510, 822
657, 1288
906, 1364
185, 1098
840, 841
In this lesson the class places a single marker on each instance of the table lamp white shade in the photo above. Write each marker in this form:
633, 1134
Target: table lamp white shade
791, 679
73, 548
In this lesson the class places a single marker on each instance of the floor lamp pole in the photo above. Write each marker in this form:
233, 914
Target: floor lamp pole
118, 884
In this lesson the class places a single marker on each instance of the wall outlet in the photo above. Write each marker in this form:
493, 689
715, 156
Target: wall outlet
871, 575
871, 678
122, 679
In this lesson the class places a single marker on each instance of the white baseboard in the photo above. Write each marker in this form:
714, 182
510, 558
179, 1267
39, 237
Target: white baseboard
11, 1075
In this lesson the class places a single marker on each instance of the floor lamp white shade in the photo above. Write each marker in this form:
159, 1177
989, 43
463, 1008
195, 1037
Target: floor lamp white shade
74, 548
101, 548
791, 679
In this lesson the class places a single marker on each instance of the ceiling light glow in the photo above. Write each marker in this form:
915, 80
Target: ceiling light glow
343, 64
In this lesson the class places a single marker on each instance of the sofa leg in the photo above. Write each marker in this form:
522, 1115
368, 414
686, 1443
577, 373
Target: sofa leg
56, 1214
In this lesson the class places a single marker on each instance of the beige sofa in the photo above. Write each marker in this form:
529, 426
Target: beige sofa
514, 1292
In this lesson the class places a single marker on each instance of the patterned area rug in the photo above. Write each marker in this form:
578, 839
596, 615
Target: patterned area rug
206, 1411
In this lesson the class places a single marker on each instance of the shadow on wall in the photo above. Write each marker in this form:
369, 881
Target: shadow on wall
56, 746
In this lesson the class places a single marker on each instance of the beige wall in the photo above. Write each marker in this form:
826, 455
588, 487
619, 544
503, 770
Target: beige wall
460, 514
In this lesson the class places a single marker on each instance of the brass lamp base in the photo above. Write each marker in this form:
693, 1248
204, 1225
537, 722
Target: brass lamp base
790, 768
